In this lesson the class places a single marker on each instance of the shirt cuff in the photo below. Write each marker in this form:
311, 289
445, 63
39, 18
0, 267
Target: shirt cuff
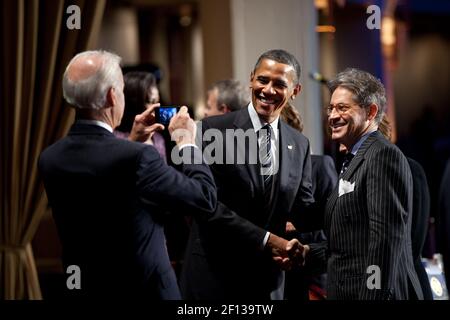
266, 238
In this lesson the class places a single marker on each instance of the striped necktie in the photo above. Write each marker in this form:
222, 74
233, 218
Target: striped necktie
265, 158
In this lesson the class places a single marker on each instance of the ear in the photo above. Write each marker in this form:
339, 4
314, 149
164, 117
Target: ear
373, 111
111, 97
296, 91
225, 108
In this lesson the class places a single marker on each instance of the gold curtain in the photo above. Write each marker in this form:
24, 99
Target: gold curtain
36, 47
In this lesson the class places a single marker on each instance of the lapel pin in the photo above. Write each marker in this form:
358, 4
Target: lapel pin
289, 147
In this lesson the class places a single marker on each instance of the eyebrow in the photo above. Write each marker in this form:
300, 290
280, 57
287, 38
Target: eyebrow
340, 104
277, 81
281, 82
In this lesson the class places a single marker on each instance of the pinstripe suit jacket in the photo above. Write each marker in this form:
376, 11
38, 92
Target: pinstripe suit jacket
371, 225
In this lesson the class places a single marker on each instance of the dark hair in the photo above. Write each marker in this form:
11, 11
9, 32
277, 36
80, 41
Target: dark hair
281, 56
230, 93
291, 116
136, 91
365, 87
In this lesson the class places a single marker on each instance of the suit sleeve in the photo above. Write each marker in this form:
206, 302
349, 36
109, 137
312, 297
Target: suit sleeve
389, 191
317, 258
191, 190
238, 229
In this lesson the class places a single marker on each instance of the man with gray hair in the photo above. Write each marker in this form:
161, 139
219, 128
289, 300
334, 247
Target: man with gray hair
368, 216
108, 194
225, 96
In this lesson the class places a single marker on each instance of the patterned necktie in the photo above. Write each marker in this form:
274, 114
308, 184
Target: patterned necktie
347, 159
265, 158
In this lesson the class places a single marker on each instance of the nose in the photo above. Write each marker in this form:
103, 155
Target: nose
333, 116
268, 89
334, 113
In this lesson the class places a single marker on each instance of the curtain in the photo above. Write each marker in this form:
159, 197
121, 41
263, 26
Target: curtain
36, 46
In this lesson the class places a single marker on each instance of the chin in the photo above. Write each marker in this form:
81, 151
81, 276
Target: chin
267, 111
337, 136
263, 112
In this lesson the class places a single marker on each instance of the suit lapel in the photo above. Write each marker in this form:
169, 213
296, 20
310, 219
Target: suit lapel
244, 122
354, 165
286, 154
360, 155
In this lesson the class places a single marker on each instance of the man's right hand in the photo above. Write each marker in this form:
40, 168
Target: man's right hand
144, 125
182, 128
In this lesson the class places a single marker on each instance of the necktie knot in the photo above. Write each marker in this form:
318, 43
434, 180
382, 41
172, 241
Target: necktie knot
265, 131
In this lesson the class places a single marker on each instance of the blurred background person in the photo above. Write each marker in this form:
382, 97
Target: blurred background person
225, 96
140, 92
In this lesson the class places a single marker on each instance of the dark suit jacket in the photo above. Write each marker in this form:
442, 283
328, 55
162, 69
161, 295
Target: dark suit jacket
419, 225
107, 195
371, 226
324, 177
225, 258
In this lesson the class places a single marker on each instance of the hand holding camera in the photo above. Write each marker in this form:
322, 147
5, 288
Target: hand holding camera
145, 125
182, 128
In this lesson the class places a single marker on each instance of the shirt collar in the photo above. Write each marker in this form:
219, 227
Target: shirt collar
96, 123
361, 140
258, 123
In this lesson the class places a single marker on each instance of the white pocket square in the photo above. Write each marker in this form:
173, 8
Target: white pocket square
345, 187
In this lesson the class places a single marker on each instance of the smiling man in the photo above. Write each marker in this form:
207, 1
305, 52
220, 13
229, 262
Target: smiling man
239, 253
368, 217
273, 83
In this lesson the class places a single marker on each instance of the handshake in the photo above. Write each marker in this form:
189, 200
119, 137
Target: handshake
287, 253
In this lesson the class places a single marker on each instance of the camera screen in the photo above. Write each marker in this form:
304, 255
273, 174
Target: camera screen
165, 114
